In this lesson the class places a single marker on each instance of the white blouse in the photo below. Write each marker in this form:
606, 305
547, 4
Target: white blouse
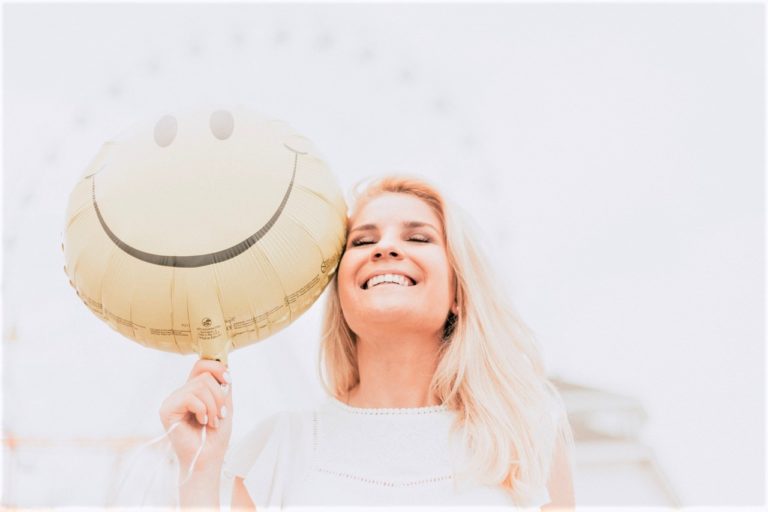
340, 455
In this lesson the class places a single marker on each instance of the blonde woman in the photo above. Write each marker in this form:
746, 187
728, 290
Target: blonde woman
437, 390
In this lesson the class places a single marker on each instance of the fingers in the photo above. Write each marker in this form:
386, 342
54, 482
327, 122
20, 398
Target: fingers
216, 368
197, 407
215, 377
203, 395
212, 394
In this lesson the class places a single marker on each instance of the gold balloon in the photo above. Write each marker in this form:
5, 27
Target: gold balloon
204, 232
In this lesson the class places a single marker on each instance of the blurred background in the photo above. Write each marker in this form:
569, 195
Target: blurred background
611, 154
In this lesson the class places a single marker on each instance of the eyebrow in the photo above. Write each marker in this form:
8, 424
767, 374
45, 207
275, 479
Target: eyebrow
407, 224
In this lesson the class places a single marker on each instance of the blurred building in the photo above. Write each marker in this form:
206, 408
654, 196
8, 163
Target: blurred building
611, 464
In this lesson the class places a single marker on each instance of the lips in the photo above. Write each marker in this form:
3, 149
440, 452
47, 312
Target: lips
380, 279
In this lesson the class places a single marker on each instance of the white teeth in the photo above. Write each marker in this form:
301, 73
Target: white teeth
388, 278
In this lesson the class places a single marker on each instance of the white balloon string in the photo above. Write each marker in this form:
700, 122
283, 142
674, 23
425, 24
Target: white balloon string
163, 460
135, 458
149, 443
194, 459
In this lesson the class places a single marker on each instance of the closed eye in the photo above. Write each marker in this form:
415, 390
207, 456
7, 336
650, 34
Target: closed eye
361, 241
413, 238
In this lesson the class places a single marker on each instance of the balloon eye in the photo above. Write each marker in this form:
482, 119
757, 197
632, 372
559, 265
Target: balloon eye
222, 124
165, 131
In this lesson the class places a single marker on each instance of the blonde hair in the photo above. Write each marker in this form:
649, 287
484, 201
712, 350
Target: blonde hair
490, 370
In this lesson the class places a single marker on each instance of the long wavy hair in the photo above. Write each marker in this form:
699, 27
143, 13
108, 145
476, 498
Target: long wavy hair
490, 370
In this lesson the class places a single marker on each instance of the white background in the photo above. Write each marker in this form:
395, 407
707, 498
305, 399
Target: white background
611, 154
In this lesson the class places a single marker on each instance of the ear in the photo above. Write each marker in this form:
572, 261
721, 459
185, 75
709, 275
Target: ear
455, 309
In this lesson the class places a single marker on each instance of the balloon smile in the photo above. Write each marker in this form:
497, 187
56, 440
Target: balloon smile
199, 260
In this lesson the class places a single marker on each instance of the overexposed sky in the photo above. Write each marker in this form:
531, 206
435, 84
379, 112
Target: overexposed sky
612, 155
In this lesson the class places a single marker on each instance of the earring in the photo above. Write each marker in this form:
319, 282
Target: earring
450, 325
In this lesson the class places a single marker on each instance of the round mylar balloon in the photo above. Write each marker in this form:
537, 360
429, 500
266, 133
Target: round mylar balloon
204, 232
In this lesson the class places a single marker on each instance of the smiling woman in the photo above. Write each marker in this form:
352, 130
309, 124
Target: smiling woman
396, 239
437, 390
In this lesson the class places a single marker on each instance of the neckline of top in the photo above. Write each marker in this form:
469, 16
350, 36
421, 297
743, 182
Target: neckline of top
430, 409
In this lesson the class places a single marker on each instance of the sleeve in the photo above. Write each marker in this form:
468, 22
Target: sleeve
540, 497
261, 460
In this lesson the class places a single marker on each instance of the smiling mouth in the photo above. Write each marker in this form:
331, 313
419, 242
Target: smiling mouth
391, 279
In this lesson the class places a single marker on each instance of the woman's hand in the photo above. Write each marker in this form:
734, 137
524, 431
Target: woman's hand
205, 399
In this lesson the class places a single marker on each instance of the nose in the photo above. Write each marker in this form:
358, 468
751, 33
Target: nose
386, 251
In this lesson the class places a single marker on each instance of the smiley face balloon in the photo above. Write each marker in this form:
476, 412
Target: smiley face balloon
204, 232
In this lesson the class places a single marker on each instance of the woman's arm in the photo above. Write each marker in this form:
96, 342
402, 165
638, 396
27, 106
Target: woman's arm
201, 490
202, 402
560, 484
241, 500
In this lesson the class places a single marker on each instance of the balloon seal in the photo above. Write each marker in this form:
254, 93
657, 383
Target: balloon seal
216, 350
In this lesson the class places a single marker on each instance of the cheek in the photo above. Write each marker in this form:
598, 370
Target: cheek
346, 265
346, 276
449, 288
449, 293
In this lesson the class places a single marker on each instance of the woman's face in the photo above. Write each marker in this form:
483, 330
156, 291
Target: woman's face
395, 271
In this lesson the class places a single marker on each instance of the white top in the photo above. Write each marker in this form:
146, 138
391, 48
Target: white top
343, 455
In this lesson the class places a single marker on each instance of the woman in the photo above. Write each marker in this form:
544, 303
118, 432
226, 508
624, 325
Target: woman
438, 395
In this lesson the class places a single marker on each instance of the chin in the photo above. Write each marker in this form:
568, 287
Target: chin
395, 317
389, 312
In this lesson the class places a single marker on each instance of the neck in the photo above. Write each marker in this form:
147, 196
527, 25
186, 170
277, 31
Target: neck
395, 370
